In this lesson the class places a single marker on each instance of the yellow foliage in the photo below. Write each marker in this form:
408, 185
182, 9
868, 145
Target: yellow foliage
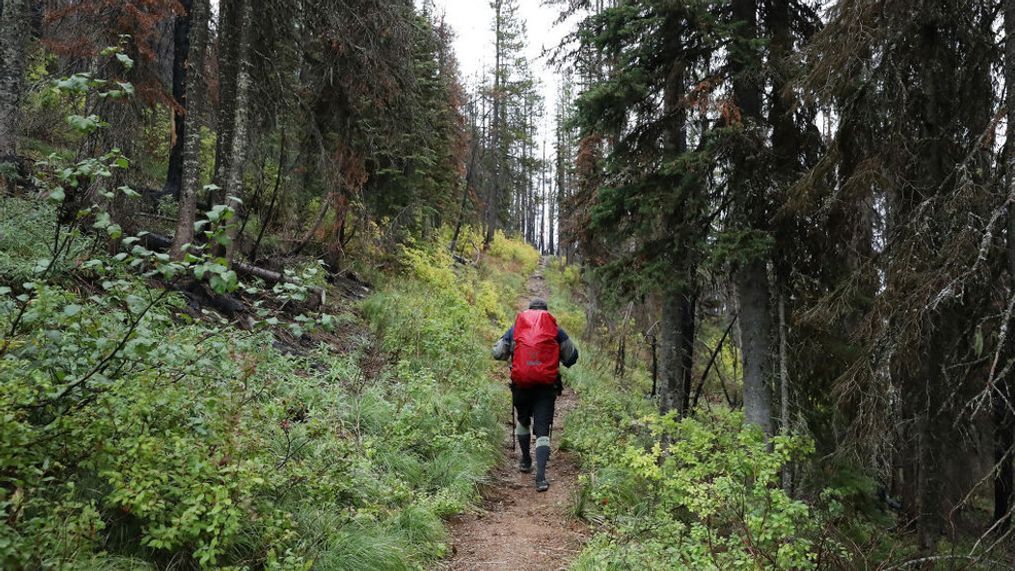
487, 299
572, 321
431, 266
514, 250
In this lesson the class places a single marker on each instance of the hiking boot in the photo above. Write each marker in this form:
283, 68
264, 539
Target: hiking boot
542, 485
525, 465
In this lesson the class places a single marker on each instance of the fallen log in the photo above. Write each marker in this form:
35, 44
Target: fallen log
246, 269
162, 243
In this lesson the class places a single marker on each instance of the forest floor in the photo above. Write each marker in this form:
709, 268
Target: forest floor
517, 527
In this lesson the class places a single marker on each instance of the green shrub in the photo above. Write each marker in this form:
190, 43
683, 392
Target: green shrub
203, 445
698, 493
26, 239
525, 256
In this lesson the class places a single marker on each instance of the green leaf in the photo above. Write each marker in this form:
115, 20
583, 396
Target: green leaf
42, 265
72, 310
87, 124
128, 191
58, 195
103, 220
136, 304
125, 60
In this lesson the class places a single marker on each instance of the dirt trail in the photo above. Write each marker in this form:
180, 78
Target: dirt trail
518, 528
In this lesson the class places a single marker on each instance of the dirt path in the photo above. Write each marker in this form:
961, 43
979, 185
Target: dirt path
518, 528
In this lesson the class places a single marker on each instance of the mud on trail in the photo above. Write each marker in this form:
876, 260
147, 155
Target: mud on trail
517, 528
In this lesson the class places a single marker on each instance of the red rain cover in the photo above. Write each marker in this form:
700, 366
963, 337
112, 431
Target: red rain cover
537, 354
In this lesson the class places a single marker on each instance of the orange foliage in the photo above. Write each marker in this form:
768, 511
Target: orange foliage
83, 29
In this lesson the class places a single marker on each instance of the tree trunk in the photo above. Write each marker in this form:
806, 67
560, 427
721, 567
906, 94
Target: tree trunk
229, 39
494, 197
470, 175
752, 278
14, 32
676, 346
181, 50
784, 423
336, 249
755, 330
196, 93
676, 351
1004, 423
233, 188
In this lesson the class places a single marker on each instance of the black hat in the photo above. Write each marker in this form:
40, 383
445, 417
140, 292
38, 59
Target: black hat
538, 303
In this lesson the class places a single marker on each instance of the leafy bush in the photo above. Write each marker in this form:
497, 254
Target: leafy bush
698, 493
564, 280
135, 430
201, 444
524, 256
26, 236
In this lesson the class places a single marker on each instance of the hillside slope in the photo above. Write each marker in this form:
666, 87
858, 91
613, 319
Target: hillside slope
139, 429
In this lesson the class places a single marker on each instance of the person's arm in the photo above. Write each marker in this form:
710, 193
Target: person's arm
505, 345
568, 350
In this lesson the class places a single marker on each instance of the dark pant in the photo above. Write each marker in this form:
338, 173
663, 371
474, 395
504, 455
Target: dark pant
534, 408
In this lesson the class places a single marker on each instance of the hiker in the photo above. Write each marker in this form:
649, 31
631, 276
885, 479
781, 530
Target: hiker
537, 347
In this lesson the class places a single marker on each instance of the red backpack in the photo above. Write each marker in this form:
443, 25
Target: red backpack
536, 359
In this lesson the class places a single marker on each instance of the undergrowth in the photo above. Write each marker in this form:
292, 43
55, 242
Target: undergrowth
698, 493
200, 445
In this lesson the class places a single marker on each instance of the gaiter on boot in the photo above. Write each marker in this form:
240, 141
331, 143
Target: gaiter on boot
542, 455
524, 439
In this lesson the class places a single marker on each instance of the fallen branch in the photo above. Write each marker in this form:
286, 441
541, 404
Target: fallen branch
162, 243
711, 361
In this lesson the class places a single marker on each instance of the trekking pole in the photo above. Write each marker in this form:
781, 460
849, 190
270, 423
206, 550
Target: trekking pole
514, 441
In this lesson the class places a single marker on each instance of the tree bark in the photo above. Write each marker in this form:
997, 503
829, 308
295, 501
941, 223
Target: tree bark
676, 352
181, 51
228, 68
14, 31
784, 423
752, 278
1004, 423
196, 93
755, 330
233, 188
676, 343
494, 198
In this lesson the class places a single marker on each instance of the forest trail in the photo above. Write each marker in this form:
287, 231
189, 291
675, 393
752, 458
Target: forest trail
517, 527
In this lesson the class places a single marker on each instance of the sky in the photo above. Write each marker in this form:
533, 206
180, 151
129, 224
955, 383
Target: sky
472, 22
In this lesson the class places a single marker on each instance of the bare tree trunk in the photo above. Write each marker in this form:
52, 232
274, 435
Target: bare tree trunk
676, 346
470, 175
14, 31
1004, 423
752, 290
784, 424
228, 48
181, 51
237, 153
752, 277
494, 197
196, 93
676, 351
